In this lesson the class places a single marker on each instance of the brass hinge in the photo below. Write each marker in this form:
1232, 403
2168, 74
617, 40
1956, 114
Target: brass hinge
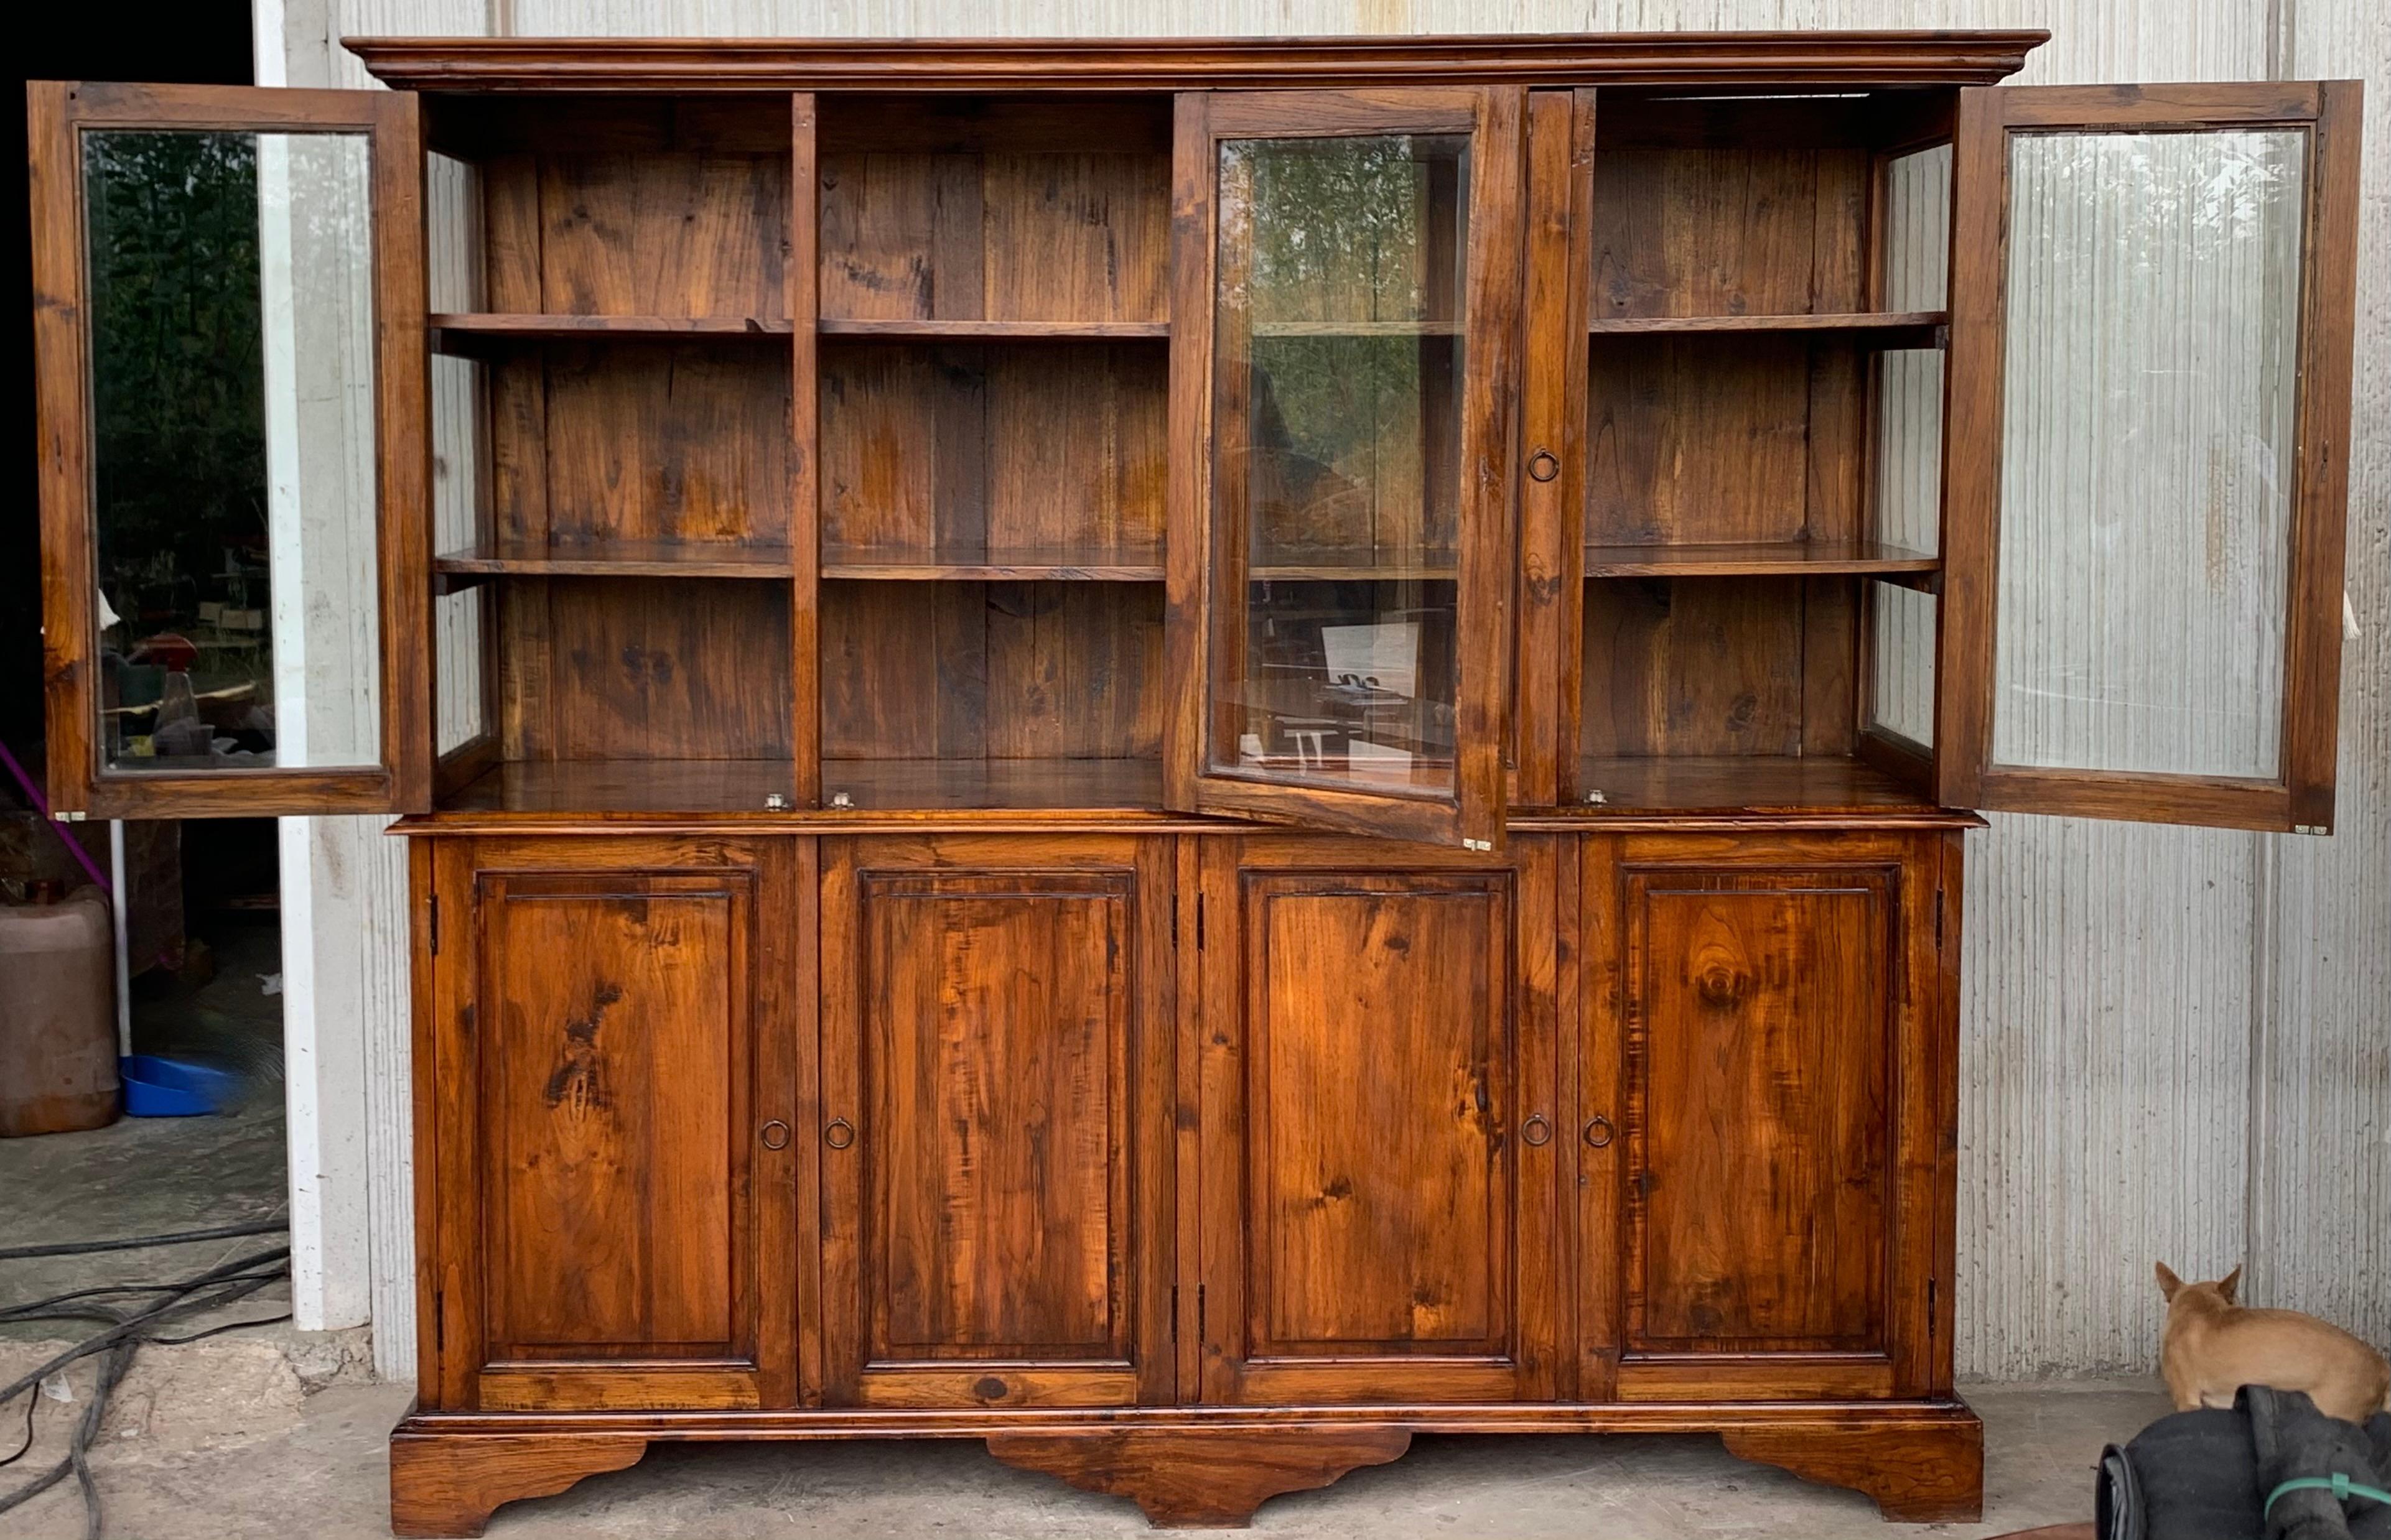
436, 925
1199, 941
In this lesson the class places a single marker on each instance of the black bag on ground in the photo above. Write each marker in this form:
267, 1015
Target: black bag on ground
2205, 1475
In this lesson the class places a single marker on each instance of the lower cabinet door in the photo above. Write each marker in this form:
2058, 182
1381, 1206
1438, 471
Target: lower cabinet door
1766, 1080
996, 1052
1380, 1155
614, 1069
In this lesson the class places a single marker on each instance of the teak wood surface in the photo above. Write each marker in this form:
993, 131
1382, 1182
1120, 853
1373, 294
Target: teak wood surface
851, 1001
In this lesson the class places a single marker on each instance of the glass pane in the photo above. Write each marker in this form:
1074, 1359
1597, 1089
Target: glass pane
231, 322
2154, 293
1338, 423
1916, 245
453, 277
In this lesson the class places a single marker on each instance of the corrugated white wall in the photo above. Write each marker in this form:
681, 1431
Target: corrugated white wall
2176, 1043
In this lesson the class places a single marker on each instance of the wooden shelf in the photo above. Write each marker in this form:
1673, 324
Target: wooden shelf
1356, 328
1890, 329
853, 563
667, 788
994, 331
1354, 569
626, 788
993, 785
1768, 558
1742, 783
457, 569
468, 334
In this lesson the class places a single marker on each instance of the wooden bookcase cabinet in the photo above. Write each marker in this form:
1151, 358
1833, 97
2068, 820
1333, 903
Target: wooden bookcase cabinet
1164, 751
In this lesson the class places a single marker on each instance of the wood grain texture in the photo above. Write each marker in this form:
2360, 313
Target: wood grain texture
995, 235
1367, 1244
662, 233
443, 1485
615, 1070
641, 441
961, 450
999, 671
1200, 1480
1553, 418
1768, 1038
995, 1233
1760, 1016
623, 668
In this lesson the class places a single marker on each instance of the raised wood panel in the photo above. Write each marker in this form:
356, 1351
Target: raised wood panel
611, 1025
1056, 446
640, 441
1372, 1061
991, 671
1764, 1052
1376, 1178
995, 1047
1758, 1029
630, 668
617, 1007
996, 236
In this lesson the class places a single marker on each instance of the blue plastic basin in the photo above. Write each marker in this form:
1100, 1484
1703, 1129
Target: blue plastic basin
156, 1087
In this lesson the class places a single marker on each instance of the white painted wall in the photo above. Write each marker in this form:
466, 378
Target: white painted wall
2176, 1043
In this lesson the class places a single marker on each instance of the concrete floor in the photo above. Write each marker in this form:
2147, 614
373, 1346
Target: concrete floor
158, 1176
321, 1474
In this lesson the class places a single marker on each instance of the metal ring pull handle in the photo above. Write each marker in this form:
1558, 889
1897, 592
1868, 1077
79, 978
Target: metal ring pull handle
1542, 465
839, 1134
775, 1134
1598, 1130
1535, 1130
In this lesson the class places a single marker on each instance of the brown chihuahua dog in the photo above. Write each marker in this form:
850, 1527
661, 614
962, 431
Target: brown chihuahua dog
2213, 1347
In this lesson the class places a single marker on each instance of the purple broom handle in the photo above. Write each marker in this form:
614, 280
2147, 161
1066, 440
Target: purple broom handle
41, 806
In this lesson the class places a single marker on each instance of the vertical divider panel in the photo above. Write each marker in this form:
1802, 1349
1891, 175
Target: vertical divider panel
1552, 512
803, 279
1187, 517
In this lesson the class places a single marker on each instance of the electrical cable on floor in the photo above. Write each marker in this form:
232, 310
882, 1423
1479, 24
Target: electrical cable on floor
135, 1243
124, 1329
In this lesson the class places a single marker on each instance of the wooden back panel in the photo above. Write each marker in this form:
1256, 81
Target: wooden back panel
965, 670
995, 209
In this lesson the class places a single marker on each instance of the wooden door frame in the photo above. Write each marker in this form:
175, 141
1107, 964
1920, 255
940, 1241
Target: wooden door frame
1537, 983
2300, 796
1142, 1110
1200, 595
451, 1208
1923, 1063
57, 112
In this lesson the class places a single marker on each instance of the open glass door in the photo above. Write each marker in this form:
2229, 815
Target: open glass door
2147, 420
230, 349
1340, 559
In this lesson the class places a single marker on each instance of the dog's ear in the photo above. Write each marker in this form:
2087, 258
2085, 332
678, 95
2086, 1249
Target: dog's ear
2227, 1284
2168, 1282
